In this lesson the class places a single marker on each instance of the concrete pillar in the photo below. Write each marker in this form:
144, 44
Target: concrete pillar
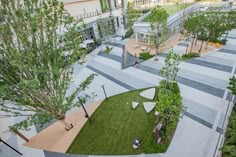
136, 37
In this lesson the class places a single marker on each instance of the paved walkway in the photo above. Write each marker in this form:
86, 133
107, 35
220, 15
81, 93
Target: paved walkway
135, 48
202, 82
55, 138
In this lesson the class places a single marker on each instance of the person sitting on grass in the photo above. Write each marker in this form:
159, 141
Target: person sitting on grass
136, 143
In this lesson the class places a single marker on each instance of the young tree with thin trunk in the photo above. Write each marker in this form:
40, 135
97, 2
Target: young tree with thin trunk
34, 73
158, 19
170, 70
106, 29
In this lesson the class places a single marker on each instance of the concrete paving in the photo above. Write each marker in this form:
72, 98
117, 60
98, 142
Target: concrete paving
202, 82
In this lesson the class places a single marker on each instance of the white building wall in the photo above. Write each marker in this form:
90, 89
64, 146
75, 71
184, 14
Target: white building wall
83, 7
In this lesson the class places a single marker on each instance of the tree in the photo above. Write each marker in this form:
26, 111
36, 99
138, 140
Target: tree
170, 70
106, 28
132, 15
158, 19
33, 71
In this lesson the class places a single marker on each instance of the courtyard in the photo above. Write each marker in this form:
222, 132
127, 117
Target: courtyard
114, 124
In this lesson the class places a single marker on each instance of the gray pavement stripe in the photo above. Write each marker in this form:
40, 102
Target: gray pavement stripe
228, 51
195, 118
191, 83
201, 62
111, 78
56, 154
199, 110
230, 96
210, 65
202, 87
115, 44
182, 44
219, 130
231, 37
217, 60
110, 56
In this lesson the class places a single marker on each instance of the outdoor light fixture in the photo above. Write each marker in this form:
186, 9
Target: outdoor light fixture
104, 92
86, 114
10, 146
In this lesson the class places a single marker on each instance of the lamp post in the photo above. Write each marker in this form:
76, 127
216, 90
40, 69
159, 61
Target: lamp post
104, 92
10, 146
86, 113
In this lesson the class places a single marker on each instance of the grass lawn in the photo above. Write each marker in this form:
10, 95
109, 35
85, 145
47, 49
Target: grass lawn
115, 125
171, 10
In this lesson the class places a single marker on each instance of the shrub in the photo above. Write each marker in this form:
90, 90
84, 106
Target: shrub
128, 33
169, 99
190, 55
229, 148
145, 55
108, 50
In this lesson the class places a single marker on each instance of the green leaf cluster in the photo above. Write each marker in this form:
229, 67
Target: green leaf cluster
229, 148
210, 26
232, 85
145, 55
190, 55
34, 73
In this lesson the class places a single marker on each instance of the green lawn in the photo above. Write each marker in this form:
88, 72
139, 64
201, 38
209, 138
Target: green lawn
171, 10
115, 125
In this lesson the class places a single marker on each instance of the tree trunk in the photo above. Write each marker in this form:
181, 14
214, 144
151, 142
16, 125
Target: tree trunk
226, 35
67, 125
196, 41
20, 134
180, 38
157, 47
207, 43
192, 45
200, 47
186, 51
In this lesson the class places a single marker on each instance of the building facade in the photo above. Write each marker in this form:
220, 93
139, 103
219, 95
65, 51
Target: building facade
92, 10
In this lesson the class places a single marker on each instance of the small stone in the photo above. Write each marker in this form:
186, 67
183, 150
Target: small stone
148, 94
149, 106
135, 105
156, 113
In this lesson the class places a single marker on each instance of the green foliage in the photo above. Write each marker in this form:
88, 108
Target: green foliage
104, 5
106, 27
232, 85
132, 14
229, 148
145, 55
33, 71
170, 70
108, 50
114, 126
158, 15
203, 25
128, 33
190, 55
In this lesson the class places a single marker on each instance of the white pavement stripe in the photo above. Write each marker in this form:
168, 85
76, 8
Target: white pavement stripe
95, 87
145, 76
217, 60
203, 98
213, 134
224, 55
201, 69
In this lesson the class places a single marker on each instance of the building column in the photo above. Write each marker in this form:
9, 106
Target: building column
136, 37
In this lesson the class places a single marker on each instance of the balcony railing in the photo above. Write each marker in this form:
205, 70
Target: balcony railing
95, 13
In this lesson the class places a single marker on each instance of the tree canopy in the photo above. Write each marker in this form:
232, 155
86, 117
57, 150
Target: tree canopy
34, 73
